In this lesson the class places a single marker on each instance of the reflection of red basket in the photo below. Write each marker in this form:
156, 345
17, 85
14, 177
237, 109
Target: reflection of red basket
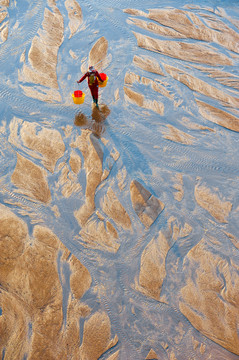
78, 93
104, 77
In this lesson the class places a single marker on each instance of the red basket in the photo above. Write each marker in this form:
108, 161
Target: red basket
103, 76
78, 93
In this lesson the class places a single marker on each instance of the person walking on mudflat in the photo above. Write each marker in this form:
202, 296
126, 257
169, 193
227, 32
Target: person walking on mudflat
93, 77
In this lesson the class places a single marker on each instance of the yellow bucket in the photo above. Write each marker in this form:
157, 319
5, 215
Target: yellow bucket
105, 78
78, 97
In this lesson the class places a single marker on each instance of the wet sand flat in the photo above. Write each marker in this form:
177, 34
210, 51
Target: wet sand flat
119, 232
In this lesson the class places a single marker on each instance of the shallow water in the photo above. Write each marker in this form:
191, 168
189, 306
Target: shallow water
178, 155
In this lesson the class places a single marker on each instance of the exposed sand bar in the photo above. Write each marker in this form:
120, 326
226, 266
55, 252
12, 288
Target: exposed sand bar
92, 152
156, 29
183, 51
223, 77
44, 144
148, 64
218, 116
74, 14
98, 235
210, 201
98, 52
31, 180
140, 100
190, 26
114, 209
41, 66
152, 267
174, 134
146, 205
201, 86
4, 16
209, 298
32, 322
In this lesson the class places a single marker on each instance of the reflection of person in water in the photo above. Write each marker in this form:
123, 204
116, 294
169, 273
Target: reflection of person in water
93, 77
95, 123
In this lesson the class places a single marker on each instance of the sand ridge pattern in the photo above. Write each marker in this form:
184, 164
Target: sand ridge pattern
119, 225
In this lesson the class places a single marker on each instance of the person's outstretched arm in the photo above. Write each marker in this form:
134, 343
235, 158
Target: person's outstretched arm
83, 78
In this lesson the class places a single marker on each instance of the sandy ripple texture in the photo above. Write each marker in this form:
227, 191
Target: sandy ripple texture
119, 232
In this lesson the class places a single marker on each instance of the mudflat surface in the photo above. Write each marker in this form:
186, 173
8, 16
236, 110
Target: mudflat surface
119, 234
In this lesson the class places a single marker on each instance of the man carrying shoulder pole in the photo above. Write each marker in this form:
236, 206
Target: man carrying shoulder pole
93, 77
